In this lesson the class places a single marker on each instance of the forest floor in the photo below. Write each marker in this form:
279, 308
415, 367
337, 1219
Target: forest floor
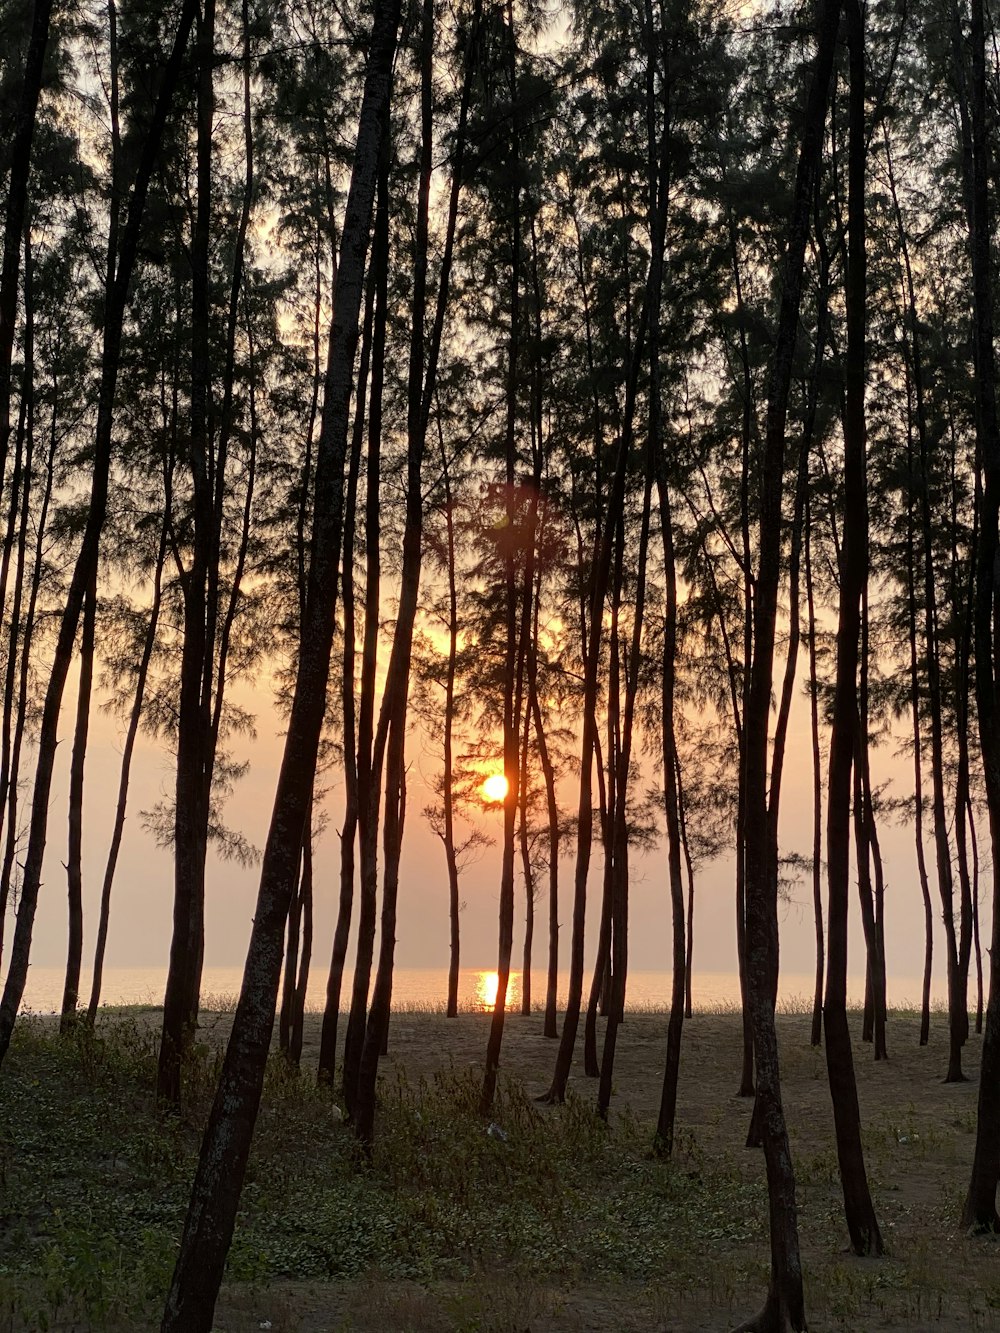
558, 1223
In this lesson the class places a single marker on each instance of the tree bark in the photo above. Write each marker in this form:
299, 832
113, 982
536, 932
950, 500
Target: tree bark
980, 1211
425, 351
514, 657
194, 763
116, 297
17, 205
845, 739
211, 1214
784, 1306
370, 755
132, 732
348, 834
74, 865
915, 412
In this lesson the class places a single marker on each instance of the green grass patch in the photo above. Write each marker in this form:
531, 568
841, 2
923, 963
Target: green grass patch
95, 1181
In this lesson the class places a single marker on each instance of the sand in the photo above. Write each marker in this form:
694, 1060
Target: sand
919, 1133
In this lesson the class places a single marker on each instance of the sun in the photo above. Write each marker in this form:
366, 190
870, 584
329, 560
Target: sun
495, 788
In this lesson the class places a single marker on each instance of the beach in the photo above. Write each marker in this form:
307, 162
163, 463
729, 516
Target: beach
919, 1139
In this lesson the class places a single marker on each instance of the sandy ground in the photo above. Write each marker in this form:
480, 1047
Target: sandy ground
919, 1143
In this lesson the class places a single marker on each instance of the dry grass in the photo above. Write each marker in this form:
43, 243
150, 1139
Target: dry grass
564, 1225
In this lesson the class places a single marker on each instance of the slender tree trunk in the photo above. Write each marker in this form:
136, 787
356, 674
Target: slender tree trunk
746, 1088
74, 865
620, 838
194, 768
915, 409
784, 1306
116, 297
370, 759
600, 986
128, 749
550, 1028
878, 974
602, 968
672, 800
17, 205
17, 522
422, 381
348, 833
689, 869
448, 776
816, 1030
215, 1196
514, 658
26, 635
291, 968
12, 729
975, 918
845, 738
527, 871
297, 1025
980, 1209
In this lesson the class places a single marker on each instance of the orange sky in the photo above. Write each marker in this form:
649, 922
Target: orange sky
141, 913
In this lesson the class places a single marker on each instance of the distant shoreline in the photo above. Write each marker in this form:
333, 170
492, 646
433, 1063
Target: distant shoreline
424, 990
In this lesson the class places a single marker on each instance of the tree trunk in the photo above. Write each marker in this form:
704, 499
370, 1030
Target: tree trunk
689, 868
514, 657
845, 739
601, 982
550, 1027
194, 767
784, 1306
975, 918
116, 297
19, 706
211, 1214
421, 384
448, 776
619, 839
74, 865
12, 729
527, 871
816, 1030
131, 734
370, 756
301, 988
17, 206
980, 1209
348, 834
915, 409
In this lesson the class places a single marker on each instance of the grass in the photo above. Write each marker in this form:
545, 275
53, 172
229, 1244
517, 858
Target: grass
95, 1183
457, 1225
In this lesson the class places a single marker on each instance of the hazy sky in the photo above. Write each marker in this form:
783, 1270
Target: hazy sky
141, 912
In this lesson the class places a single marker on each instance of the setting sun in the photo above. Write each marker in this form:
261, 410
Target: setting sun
495, 788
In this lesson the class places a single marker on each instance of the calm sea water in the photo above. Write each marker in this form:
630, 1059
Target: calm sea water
427, 988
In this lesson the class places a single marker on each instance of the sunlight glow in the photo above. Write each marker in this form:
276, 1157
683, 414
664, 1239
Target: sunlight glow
495, 788
487, 985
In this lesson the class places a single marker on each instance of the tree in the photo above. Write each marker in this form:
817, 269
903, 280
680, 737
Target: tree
980, 1210
783, 1307
116, 295
215, 1194
845, 741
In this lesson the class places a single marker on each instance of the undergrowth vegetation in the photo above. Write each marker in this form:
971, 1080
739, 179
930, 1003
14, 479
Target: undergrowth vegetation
95, 1180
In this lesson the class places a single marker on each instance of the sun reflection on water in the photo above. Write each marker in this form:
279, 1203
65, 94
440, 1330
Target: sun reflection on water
487, 985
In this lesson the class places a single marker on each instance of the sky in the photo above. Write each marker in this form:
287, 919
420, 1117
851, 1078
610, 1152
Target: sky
142, 904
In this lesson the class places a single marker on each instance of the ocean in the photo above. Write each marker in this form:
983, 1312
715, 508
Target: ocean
427, 988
